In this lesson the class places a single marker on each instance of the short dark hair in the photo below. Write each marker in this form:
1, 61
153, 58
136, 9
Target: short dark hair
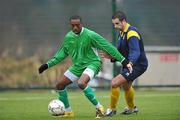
75, 17
120, 15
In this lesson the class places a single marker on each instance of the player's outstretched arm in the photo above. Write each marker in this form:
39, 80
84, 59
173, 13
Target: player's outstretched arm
125, 62
103, 44
104, 55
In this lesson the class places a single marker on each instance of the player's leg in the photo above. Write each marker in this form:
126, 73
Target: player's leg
118, 81
114, 99
61, 89
129, 97
129, 94
82, 83
129, 90
67, 79
115, 93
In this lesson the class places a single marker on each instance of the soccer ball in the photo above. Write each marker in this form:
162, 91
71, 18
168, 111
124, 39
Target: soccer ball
56, 107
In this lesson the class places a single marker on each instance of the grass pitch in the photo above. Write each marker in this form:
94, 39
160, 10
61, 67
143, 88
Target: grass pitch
32, 105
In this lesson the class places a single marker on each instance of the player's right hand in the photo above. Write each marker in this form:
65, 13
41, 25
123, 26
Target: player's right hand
42, 68
130, 68
128, 65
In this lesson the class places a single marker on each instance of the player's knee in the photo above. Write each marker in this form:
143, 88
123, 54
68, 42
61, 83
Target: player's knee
114, 84
60, 86
82, 85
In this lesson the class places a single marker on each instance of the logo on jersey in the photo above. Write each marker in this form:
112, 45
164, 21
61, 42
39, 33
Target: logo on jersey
127, 74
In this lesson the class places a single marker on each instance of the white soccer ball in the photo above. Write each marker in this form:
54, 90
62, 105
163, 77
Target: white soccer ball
56, 107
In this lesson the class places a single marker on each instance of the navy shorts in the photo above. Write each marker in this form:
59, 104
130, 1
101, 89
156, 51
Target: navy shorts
135, 73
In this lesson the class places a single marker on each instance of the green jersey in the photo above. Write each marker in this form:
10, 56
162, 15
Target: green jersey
83, 48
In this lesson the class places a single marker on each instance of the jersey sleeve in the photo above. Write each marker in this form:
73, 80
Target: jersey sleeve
133, 43
60, 55
102, 44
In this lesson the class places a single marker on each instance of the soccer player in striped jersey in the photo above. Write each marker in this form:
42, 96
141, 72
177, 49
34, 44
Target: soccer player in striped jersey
82, 44
130, 45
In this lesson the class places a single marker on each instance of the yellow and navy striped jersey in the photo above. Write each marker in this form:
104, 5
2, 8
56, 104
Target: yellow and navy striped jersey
131, 46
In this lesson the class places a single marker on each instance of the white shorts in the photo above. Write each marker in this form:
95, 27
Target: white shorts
73, 77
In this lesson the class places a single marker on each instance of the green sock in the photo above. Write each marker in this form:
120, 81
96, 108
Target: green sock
90, 95
64, 97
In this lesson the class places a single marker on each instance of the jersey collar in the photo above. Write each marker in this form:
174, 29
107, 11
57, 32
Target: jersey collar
80, 33
126, 28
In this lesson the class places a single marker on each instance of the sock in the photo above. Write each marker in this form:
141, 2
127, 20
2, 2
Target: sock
115, 93
64, 97
98, 105
90, 95
68, 109
129, 96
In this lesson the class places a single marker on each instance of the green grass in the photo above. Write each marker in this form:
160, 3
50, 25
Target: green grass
32, 105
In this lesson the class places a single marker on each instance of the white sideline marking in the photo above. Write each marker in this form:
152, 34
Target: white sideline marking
76, 97
23, 98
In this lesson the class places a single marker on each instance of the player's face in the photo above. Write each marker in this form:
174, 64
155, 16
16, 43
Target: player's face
117, 24
76, 25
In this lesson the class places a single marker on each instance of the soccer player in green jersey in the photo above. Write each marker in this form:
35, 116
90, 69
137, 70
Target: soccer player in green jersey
82, 44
